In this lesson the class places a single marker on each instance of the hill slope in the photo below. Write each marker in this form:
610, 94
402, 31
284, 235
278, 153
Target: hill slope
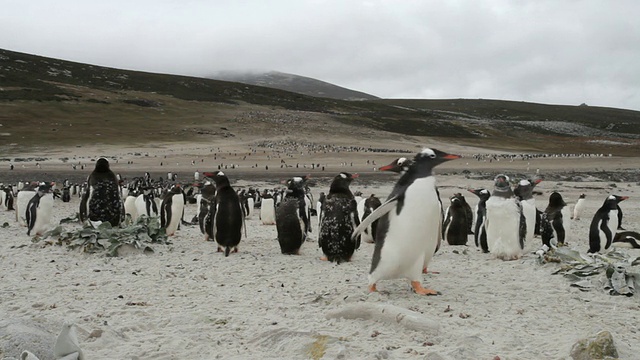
47, 102
294, 83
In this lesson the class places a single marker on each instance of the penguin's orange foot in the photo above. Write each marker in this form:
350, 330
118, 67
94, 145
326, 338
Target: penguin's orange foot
324, 258
424, 271
417, 287
235, 249
372, 288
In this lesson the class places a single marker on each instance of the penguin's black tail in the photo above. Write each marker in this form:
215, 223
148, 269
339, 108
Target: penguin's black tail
628, 239
227, 250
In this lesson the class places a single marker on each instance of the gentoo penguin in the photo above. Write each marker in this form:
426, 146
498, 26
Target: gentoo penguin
130, 206
24, 195
505, 223
319, 204
455, 228
228, 220
39, 210
480, 232
409, 226
8, 198
66, 194
627, 239
292, 217
338, 219
145, 203
205, 201
554, 223
171, 209
401, 166
369, 205
268, 209
524, 192
579, 207
604, 224
101, 201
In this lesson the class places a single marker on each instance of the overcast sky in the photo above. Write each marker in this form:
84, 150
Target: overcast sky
547, 51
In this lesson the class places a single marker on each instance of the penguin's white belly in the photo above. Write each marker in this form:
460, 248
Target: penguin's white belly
318, 211
267, 212
578, 209
130, 207
566, 224
21, 206
529, 210
177, 206
366, 235
503, 228
412, 236
250, 205
43, 215
612, 224
3, 197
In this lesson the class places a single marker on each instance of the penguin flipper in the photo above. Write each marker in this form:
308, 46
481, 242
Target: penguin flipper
385, 208
31, 216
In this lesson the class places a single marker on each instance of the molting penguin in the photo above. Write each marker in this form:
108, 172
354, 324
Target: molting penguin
579, 207
292, 217
409, 224
480, 232
39, 210
505, 223
604, 224
102, 201
172, 209
338, 219
554, 223
228, 220
524, 192
456, 221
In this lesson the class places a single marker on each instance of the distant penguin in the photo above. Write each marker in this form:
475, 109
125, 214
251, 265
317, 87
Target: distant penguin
145, 203
455, 229
130, 206
505, 223
409, 227
338, 219
321, 199
102, 201
66, 194
480, 232
578, 209
228, 220
171, 209
369, 205
268, 210
292, 217
24, 195
604, 224
524, 192
554, 224
8, 199
39, 210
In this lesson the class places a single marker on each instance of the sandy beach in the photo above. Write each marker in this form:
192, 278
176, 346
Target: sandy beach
186, 301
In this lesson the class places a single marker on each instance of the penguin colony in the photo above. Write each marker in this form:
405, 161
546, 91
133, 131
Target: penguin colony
407, 228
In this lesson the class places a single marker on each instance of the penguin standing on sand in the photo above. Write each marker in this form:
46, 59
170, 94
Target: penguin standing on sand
338, 219
409, 227
267, 209
39, 211
8, 199
554, 224
457, 223
101, 200
66, 194
579, 207
505, 224
205, 200
369, 205
480, 232
22, 199
145, 203
226, 214
319, 204
292, 217
171, 209
604, 224
524, 192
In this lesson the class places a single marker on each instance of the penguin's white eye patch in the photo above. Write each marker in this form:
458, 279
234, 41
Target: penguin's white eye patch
343, 175
401, 160
611, 197
428, 152
484, 191
297, 179
220, 173
524, 182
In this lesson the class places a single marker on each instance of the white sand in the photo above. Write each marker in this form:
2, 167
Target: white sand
188, 302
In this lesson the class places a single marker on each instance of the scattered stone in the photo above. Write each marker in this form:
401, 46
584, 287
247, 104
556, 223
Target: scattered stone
598, 347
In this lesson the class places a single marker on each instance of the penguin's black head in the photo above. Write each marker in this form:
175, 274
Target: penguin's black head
399, 165
612, 201
501, 185
102, 165
219, 178
341, 183
583, 196
44, 188
481, 193
295, 185
424, 161
524, 189
556, 200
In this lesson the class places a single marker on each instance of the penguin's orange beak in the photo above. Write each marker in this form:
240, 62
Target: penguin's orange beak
451, 157
355, 176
